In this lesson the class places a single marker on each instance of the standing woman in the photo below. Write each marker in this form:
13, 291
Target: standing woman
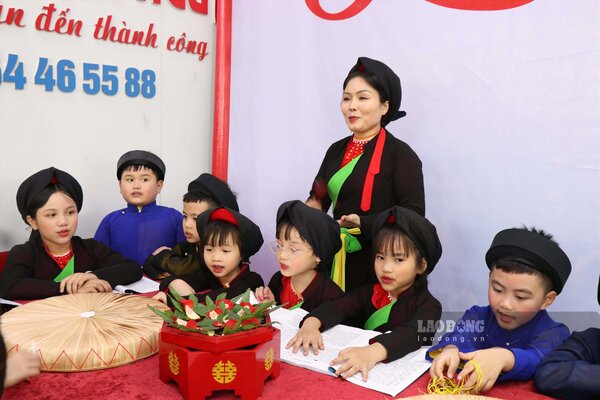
367, 172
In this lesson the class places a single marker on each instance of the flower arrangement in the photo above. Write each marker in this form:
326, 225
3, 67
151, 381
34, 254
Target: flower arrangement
219, 317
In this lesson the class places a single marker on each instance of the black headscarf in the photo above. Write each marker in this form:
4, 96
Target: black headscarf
142, 157
417, 228
37, 182
389, 82
316, 227
534, 250
216, 189
250, 235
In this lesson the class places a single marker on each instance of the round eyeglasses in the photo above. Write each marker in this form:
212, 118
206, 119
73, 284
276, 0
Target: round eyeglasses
285, 251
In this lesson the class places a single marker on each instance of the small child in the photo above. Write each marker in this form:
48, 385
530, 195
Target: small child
54, 261
206, 191
229, 240
143, 226
527, 271
307, 241
407, 249
571, 370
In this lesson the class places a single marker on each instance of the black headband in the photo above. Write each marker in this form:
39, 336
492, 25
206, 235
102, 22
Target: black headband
534, 250
37, 182
250, 235
141, 157
390, 83
216, 189
417, 228
316, 227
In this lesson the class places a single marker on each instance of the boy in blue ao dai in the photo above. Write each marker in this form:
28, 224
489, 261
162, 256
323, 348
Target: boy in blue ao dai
508, 337
143, 226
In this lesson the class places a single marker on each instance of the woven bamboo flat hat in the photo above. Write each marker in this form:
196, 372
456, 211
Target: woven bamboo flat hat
84, 332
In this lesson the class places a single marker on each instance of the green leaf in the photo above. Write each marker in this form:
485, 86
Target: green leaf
175, 294
180, 315
206, 323
247, 327
221, 296
210, 304
166, 315
246, 296
262, 308
201, 309
237, 298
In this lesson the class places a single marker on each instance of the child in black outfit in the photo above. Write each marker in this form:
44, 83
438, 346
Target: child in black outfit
307, 241
204, 192
407, 249
229, 239
54, 261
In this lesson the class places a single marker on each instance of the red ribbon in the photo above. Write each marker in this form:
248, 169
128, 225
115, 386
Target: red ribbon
374, 166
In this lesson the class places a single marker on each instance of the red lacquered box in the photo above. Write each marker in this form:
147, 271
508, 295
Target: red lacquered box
201, 364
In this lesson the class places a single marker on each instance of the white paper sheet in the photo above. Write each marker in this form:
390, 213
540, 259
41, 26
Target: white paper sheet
390, 378
144, 285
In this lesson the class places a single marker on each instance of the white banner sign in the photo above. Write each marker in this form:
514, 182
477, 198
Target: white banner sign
82, 82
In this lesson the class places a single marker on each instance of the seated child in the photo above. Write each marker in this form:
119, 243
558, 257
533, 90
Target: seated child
229, 240
54, 261
206, 191
527, 271
571, 370
307, 241
143, 226
407, 249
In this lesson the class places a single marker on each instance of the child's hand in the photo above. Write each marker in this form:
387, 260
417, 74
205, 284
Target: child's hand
447, 358
161, 248
349, 221
491, 361
359, 359
95, 286
21, 365
264, 294
308, 336
73, 282
181, 287
160, 296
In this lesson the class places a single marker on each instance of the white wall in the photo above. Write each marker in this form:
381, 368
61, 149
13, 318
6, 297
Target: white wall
86, 134
503, 109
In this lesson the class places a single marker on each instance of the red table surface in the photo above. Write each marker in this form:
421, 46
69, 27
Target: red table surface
140, 381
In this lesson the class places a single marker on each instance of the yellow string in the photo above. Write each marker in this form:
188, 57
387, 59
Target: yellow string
445, 385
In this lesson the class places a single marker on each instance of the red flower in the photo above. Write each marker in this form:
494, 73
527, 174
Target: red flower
188, 306
230, 323
228, 303
248, 306
191, 324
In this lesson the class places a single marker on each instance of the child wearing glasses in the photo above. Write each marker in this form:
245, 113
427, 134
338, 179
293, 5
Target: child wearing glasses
307, 241
407, 249
229, 240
